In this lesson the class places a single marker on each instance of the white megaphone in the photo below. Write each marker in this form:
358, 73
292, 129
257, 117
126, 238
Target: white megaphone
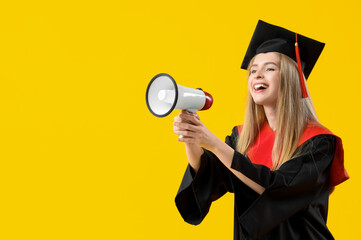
164, 95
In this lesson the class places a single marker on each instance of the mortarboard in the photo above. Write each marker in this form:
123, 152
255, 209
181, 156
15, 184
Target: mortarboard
270, 38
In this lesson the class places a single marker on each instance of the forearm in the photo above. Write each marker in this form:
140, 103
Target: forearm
225, 155
194, 153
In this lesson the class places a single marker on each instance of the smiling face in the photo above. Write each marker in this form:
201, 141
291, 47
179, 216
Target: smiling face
265, 78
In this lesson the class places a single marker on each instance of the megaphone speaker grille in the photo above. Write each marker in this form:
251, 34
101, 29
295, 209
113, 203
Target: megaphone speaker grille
162, 95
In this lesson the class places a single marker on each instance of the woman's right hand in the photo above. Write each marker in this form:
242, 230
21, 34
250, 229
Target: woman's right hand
181, 118
193, 150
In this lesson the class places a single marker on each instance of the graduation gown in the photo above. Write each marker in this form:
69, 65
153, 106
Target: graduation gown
294, 204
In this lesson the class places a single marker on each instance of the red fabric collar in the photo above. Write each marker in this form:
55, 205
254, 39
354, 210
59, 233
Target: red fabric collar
261, 151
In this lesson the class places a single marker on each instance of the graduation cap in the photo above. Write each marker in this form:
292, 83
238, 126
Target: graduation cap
270, 38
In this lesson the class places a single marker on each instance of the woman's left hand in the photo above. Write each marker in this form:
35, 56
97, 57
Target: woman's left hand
194, 131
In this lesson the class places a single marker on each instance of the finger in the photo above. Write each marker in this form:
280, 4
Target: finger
194, 114
186, 126
177, 119
194, 119
178, 130
197, 116
184, 133
185, 139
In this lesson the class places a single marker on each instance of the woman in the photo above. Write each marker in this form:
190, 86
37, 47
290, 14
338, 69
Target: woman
282, 163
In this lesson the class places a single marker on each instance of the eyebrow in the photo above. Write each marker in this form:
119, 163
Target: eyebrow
266, 63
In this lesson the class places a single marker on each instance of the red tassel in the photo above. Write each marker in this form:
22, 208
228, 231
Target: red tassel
302, 82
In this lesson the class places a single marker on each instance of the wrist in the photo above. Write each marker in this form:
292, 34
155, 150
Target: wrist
224, 153
216, 148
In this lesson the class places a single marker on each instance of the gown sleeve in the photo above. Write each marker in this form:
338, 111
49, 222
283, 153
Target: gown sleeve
198, 190
289, 189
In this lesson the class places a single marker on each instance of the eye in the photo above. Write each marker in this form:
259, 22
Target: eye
270, 69
253, 71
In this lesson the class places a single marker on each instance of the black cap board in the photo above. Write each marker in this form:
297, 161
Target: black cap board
271, 38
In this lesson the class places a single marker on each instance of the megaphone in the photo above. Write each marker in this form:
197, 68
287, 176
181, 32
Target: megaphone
164, 95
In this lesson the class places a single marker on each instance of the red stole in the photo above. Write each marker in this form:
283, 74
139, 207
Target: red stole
261, 151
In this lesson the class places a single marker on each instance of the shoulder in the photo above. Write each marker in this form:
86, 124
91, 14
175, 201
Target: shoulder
326, 140
316, 139
312, 130
326, 145
315, 155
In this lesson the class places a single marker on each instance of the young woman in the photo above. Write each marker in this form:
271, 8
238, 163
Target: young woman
282, 163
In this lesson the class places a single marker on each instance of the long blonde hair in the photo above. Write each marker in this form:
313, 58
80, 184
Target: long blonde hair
293, 113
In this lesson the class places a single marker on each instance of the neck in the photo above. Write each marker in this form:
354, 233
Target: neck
271, 115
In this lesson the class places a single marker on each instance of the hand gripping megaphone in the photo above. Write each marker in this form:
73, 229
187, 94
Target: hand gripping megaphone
164, 95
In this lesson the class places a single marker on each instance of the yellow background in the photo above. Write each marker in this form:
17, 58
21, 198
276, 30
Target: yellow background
81, 156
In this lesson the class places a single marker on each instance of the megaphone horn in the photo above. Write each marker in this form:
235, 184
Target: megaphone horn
164, 95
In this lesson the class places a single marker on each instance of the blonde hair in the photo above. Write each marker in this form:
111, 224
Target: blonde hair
293, 114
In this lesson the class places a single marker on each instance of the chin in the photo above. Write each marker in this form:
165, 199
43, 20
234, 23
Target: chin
263, 102
259, 101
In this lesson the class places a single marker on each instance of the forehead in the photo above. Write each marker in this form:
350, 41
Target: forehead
262, 58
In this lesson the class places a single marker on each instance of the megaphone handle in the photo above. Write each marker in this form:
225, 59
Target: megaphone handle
190, 111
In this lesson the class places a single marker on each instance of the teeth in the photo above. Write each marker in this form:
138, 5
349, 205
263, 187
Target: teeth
258, 86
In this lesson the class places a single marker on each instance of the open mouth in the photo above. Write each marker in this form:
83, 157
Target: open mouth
260, 86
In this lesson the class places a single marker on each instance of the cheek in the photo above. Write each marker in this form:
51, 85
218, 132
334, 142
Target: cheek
276, 82
249, 84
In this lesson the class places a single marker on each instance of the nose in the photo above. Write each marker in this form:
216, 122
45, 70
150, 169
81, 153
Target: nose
258, 74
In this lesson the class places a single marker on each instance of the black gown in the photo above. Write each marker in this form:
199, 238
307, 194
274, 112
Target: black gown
294, 204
